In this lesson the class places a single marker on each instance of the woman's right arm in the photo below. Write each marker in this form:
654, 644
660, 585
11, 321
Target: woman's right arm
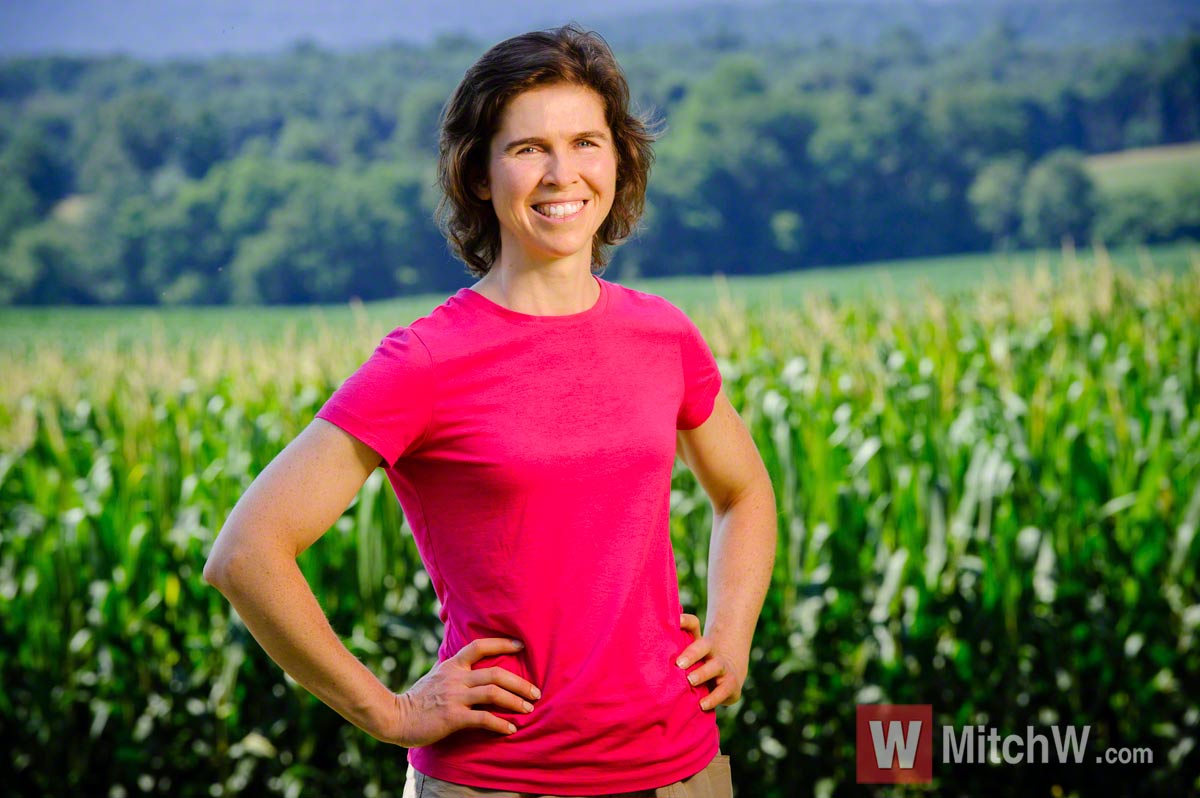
294, 501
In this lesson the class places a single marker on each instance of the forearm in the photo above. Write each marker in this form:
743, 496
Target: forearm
277, 605
740, 560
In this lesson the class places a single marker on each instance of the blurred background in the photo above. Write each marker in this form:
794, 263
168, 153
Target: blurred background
944, 251
208, 153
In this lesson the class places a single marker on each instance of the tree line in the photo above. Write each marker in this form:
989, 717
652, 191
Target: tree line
309, 175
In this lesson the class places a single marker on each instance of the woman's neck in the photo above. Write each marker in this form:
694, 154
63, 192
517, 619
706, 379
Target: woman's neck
540, 291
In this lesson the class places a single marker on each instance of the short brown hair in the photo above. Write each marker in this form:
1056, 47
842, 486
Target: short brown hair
471, 116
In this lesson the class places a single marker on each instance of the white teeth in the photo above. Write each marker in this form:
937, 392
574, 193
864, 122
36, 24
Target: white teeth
558, 210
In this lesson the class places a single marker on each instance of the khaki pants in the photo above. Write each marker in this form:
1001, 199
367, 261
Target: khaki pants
714, 781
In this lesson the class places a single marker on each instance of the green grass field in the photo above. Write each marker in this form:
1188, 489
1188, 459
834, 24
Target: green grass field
988, 502
1148, 167
899, 279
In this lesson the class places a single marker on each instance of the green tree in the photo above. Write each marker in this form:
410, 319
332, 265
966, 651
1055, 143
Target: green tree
191, 240
18, 207
106, 168
41, 267
417, 124
1179, 89
995, 197
35, 156
978, 121
1058, 201
201, 143
145, 124
336, 235
305, 140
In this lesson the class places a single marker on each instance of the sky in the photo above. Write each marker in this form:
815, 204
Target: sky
197, 28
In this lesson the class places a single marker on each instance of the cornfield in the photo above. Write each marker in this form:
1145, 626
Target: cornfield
988, 502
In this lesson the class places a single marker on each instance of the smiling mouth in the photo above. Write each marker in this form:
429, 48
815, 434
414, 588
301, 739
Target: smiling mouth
560, 210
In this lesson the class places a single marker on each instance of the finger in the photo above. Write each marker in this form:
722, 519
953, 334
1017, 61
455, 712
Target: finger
690, 623
719, 695
497, 696
486, 720
694, 653
506, 679
487, 647
707, 671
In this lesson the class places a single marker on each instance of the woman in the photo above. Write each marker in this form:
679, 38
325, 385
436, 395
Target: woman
529, 425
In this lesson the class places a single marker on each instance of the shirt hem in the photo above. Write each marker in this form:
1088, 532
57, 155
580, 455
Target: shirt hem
703, 411
616, 783
354, 426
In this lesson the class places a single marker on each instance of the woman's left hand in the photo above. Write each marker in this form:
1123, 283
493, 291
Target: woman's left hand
716, 666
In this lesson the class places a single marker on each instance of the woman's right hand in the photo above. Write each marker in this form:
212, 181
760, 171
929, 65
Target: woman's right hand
441, 702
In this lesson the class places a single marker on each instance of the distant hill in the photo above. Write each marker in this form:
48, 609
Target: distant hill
201, 28
938, 22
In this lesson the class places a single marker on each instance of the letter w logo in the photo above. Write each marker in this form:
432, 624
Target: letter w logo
886, 745
894, 743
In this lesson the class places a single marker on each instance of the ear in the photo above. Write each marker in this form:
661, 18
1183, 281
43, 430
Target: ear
483, 191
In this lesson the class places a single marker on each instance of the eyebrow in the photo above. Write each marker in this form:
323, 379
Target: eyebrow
587, 134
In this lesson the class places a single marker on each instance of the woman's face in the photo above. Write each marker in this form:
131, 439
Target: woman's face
552, 174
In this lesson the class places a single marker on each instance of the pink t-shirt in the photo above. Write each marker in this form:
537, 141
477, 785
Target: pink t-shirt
532, 456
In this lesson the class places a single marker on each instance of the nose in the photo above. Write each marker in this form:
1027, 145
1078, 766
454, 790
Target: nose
560, 170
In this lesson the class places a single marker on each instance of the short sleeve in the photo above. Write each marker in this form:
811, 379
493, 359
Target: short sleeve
701, 378
388, 402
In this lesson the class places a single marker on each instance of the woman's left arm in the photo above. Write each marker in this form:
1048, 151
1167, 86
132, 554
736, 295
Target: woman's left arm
722, 455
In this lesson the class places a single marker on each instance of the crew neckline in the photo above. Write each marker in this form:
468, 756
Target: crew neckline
478, 300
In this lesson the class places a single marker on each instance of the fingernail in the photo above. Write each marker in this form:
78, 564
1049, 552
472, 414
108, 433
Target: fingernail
518, 644
536, 693
704, 705
511, 728
681, 662
528, 706
692, 679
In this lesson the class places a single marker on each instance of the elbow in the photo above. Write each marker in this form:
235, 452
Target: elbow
214, 566
238, 559
214, 572
226, 572
772, 499
222, 560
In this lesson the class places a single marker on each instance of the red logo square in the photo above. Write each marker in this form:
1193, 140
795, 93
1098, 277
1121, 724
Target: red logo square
894, 743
